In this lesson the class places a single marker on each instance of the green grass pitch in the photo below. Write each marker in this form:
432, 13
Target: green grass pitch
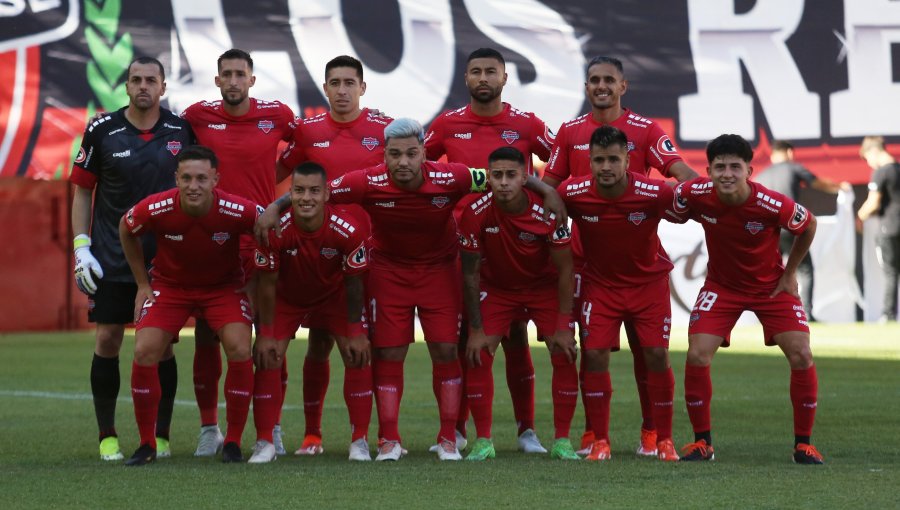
48, 448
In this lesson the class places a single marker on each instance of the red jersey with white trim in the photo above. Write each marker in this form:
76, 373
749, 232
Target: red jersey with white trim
742, 240
648, 146
246, 146
194, 251
621, 246
410, 227
311, 265
338, 146
469, 139
515, 248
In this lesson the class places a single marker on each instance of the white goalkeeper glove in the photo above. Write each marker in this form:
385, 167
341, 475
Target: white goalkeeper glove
86, 266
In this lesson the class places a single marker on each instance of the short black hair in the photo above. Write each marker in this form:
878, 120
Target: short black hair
486, 53
604, 136
310, 168
729, 145
234, 54
507, 154
198, 153
344, 61
613, 61
147, 60
782, 146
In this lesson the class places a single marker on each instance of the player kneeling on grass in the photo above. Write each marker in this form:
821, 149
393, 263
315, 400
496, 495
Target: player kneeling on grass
516, 263
196, 271
742, 221
626, 278
311, 276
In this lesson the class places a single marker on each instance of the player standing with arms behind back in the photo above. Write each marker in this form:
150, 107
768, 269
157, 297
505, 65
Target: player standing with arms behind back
742, 220
125, 156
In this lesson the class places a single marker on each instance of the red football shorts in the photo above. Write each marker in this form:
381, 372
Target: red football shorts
718, 308
330, 315
604, 309
500, 308
397, 292
218, 306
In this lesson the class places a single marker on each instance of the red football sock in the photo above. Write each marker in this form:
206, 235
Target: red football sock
315, 384
480, 392
463, 416
446, 380
145, 393
640, 378
697, 396
284, 385
520, 379
358, 397
266, 397
587, 417
565, 393
597, 392
238, 393
388, 381
661, 387
207, 371
804, 390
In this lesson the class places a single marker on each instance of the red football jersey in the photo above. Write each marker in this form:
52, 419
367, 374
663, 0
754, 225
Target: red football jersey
191, 251
742, 240
246, 146
515, 248
469, 139
648, 146
621, 246
311, 265
410, 227
338, 146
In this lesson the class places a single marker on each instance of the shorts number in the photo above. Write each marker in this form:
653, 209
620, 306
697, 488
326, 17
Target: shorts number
586, 312
705, 301
147, 302
482, 296
577, 292
372, 302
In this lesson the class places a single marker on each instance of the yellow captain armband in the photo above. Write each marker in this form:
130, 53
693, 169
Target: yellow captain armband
81, 241
479, 180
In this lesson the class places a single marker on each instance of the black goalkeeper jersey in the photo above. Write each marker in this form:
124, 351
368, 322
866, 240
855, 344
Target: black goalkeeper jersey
125, 168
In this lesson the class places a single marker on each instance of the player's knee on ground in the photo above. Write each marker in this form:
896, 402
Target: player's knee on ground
596, 360
109, 340
657, 358
795, 345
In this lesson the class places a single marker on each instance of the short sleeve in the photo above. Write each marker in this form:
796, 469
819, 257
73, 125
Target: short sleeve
138, 219
349, 188
659, 144
793, 217
434, 139
294, 153
469, 231
561, 237
558, 166
680, 205
356, 260
289, 121
542, 139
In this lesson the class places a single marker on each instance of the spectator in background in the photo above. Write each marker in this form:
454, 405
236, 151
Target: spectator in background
786, 176
884, 201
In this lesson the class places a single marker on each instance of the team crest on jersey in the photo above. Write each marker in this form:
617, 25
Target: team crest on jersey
527, 237
440, 202
666, 147
357, 259
174, 147
799, 217
328, 253
637, 217
630, 146
261, 259
221, 237
265, 126
81, 156
510, 136
129, 217
754, 227
369, 142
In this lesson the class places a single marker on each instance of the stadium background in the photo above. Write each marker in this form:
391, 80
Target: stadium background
821, 74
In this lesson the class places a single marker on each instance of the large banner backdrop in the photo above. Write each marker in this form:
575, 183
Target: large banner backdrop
821, 73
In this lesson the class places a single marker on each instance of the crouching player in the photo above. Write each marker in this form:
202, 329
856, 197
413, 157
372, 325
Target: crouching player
626, 279
526, 270
196, 270
742, 221
311, 277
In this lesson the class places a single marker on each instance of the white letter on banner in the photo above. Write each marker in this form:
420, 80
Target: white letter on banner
720, 41
871, 104
542, 36
204, 36
419, 86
